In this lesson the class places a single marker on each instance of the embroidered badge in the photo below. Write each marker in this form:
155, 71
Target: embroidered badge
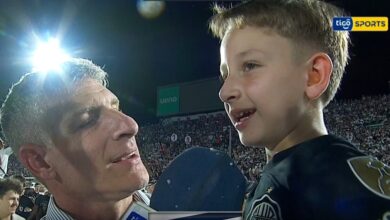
264, 208
372, 173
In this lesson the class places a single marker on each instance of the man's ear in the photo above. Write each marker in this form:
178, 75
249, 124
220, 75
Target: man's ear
33, 158
319, 73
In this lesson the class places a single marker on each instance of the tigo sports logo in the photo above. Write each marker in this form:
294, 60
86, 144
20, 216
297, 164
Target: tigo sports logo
360, 23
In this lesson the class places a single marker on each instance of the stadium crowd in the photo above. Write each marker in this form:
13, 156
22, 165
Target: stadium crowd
363, 121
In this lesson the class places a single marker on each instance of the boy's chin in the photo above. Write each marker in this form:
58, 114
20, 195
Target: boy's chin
247, 141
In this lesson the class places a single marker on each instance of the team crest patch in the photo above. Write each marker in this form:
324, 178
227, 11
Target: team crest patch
265, 209
373, 174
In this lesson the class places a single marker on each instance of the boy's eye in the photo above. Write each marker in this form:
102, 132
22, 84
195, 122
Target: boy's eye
248, 66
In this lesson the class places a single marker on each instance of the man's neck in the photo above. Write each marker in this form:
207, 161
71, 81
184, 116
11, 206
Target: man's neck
95, 210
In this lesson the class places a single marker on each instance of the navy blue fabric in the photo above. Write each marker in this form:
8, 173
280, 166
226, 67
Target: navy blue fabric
200, 179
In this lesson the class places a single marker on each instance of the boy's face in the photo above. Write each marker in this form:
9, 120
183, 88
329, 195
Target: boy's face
264, 85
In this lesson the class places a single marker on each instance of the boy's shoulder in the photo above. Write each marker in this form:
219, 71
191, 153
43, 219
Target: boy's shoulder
331, 162
322, 147
332, 170
334, 163
319, 150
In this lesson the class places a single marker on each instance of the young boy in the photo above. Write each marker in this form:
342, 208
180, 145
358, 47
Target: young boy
282, 63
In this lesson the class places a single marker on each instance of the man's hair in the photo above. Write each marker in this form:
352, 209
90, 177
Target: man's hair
29, 100
9, 184
308, 23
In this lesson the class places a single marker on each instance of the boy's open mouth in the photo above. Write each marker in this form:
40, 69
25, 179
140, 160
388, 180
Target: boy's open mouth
242, 115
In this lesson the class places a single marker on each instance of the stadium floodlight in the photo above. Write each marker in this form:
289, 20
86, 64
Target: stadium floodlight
48, 56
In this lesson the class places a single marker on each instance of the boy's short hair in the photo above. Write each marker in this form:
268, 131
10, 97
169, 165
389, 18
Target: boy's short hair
308, 23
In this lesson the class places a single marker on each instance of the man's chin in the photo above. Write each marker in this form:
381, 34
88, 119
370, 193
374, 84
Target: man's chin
145, 180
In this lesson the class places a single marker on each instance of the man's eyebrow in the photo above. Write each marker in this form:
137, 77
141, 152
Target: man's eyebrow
115, 101
73, 115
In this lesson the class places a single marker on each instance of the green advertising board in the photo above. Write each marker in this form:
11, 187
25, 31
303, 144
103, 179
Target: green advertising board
168, 101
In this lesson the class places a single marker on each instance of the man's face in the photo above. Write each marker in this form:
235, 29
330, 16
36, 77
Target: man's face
264, 85
96, 154
8, 203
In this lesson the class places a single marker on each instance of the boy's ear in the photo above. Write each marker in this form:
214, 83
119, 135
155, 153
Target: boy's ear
33, 158
319, 73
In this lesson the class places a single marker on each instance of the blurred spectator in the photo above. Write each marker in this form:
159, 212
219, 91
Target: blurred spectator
26, 203
5, 152
40, 206
10, 190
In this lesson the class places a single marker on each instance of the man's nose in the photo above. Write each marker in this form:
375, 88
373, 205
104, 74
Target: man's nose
127, 127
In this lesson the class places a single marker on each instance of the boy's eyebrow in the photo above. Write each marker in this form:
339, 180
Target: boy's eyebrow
250, 51
223, 69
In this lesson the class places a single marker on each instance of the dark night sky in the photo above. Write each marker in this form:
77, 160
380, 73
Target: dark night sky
141, 54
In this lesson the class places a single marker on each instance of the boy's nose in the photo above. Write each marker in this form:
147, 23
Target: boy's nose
229, 91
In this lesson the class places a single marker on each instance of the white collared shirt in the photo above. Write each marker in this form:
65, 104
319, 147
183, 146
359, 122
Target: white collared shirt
56, 213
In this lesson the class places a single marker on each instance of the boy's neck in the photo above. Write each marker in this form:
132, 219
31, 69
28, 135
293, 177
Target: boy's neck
311, 126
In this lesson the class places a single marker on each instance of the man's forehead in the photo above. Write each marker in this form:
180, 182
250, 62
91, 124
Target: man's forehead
84, 94
88, 85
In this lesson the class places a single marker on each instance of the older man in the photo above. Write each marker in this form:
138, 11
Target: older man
67, 128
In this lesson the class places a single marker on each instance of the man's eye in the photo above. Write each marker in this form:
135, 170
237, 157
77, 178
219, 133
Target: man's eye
88, 118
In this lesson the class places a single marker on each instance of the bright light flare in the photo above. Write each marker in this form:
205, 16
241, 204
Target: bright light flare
48, 56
